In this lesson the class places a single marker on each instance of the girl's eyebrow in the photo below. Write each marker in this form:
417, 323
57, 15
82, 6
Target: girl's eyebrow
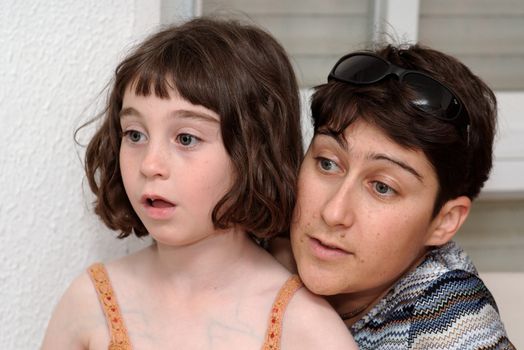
129, 112
181, 113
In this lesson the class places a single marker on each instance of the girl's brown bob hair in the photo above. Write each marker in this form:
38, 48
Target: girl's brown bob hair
244, 75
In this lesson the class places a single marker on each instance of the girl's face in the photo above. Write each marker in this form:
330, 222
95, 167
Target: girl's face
174, 166
363, 214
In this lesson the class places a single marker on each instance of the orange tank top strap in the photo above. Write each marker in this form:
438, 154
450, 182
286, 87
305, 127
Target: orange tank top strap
274, 330
106, 296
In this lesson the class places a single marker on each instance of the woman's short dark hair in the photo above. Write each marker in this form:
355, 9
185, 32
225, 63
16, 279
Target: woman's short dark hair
244, 75
462, 166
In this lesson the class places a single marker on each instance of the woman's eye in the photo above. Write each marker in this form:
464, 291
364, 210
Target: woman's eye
187, 139
134, 136
327, 164
383, 189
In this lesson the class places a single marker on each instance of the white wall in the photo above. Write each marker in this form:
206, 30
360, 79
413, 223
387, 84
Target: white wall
56, 56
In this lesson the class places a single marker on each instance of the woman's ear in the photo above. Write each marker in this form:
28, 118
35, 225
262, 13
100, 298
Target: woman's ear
448, 221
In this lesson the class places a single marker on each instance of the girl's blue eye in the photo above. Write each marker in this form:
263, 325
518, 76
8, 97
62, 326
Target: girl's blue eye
187, 139
134, 135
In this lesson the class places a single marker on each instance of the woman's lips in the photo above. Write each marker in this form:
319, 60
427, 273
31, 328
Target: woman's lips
325, 251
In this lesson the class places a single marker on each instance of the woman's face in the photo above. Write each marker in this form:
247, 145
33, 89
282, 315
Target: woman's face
363, 213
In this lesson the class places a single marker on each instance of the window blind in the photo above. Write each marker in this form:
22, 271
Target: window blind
486, 35
314, 33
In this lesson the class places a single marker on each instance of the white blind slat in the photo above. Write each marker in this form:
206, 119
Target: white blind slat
314, 33
494, 36
472, 7
351, 7
486, 35
322, 36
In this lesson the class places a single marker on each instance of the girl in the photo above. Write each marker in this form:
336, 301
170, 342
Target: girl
200, 147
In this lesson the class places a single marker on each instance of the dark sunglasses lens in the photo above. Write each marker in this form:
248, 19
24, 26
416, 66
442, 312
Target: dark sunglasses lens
433, 96
360, 69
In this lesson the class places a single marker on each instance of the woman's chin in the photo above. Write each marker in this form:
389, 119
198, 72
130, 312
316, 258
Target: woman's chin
320, 283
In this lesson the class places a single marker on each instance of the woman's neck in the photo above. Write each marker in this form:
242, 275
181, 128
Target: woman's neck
353, 306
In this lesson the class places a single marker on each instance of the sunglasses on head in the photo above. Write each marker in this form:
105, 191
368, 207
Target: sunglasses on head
363, 68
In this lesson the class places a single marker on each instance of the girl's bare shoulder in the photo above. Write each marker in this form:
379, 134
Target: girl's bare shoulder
311, 323
77, 318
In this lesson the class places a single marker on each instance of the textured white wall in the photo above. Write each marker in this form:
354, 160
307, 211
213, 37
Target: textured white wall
56, 57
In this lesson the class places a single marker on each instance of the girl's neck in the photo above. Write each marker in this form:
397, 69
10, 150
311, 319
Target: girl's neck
212, 263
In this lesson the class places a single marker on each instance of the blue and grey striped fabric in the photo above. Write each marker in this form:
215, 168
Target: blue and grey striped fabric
442, 304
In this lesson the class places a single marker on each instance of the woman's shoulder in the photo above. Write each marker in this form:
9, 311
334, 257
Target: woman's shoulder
447, 311
443, 297
458, 308
455, 285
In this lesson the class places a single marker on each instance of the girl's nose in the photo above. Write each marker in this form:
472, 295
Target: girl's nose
155, 162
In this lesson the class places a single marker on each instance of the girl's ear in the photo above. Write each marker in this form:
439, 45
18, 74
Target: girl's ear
448, 220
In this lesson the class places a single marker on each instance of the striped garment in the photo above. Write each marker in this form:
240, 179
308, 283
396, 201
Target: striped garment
442, 304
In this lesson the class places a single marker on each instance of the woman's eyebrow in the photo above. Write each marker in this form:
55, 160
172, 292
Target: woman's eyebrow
338, 137
399, 163
342, 142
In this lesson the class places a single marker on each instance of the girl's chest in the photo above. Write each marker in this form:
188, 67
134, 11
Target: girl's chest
231, 325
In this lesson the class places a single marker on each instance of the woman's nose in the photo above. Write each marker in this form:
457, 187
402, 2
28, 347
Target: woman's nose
339, 207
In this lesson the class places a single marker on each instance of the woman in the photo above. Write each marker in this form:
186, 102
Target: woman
403, 140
